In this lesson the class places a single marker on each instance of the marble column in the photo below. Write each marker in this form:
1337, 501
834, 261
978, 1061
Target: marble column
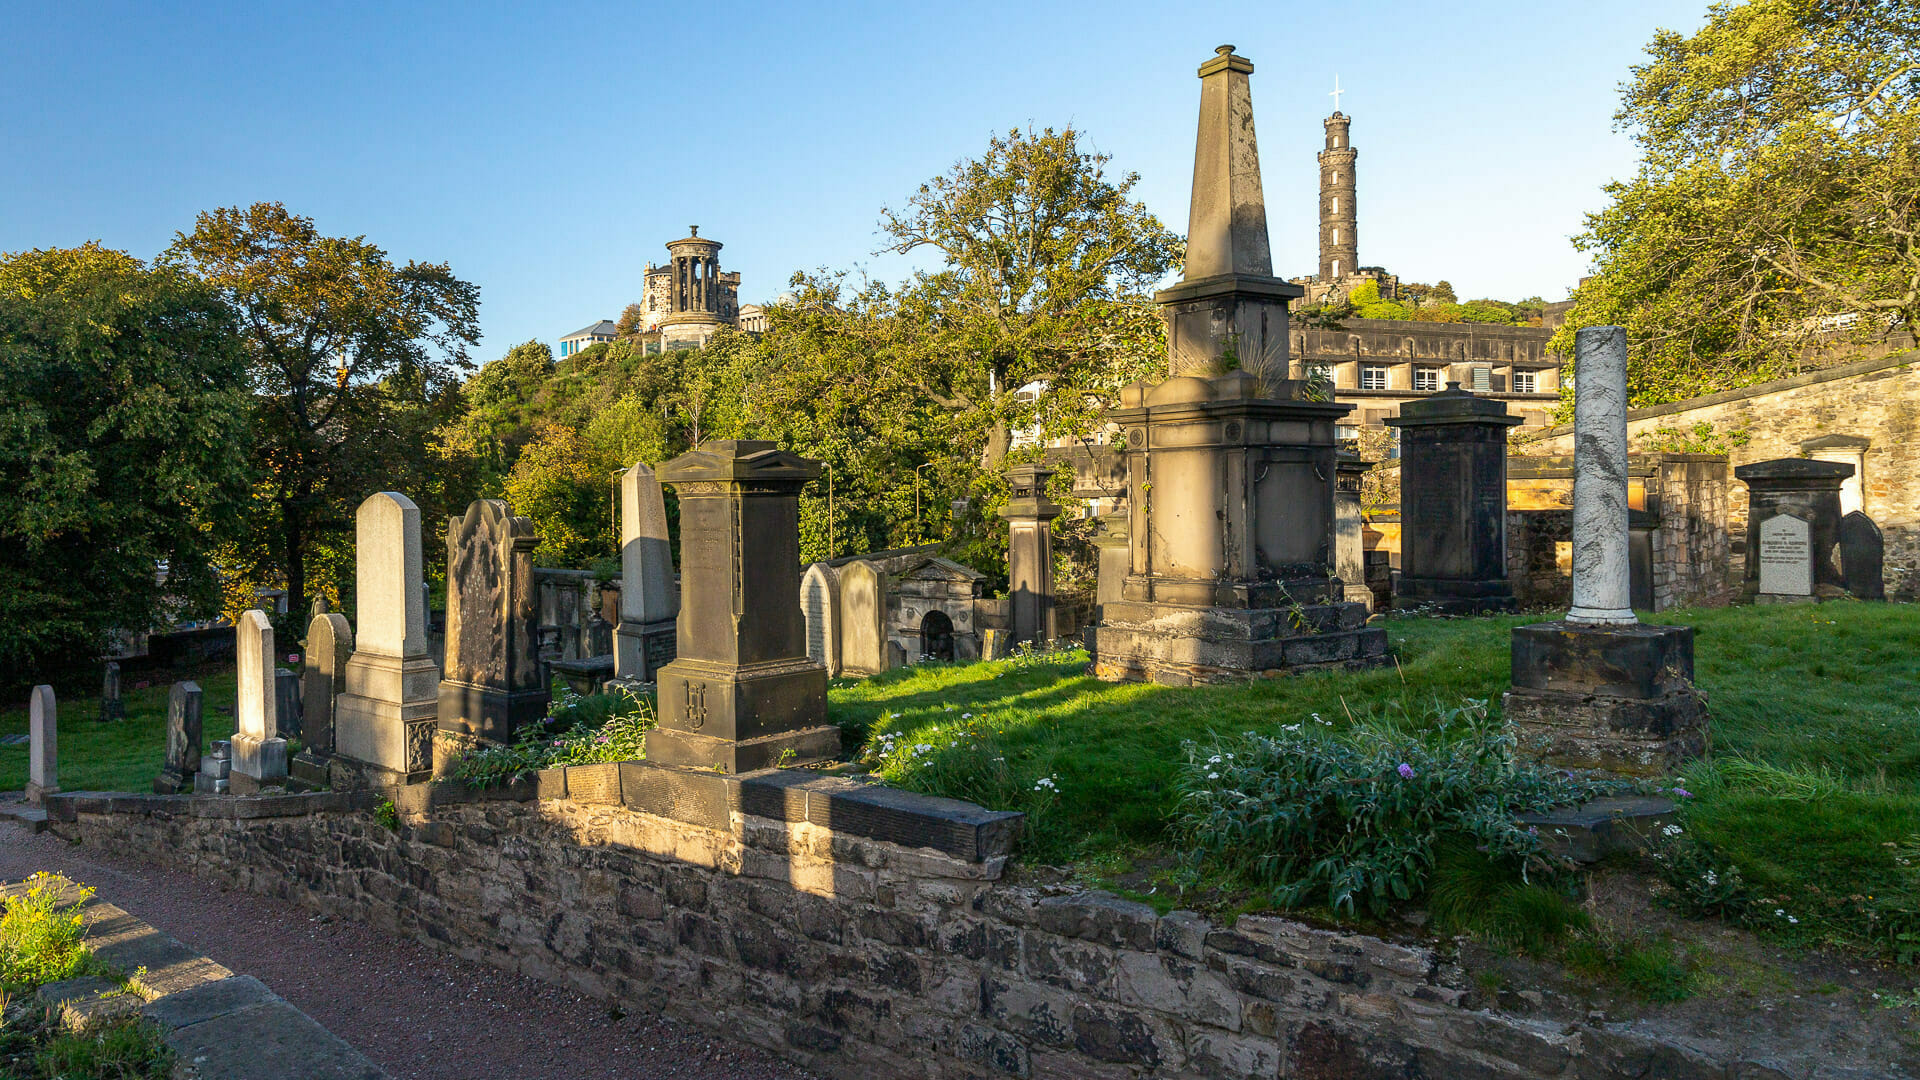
1602, 575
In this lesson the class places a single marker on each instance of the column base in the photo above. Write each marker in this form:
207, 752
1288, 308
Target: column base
1447, 597
308, 771
174, 782
36, 794
489, 712
1617, 699
258, 764
1176, 645
641, 649
802, 747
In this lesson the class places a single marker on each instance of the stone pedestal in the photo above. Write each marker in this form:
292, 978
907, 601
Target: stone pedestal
1029, 515
385, 718
741, 694
183, 740
216, 770
1793, 529
1616, 698
1453, 504
259, 753
645, 638
492, 685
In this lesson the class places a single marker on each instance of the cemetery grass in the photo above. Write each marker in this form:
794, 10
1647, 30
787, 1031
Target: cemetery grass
1813, 786
124, 755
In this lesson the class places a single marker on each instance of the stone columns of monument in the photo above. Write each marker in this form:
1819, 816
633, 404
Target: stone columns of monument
1453, 503
741, 694
1029, 515
1602, 691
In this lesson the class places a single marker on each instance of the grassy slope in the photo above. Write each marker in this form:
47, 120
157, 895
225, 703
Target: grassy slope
121, 756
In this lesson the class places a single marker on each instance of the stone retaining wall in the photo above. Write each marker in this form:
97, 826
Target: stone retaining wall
856, 956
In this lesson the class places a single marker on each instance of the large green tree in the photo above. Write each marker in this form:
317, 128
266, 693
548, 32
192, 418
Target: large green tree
123, 407
354, 360
1777, 199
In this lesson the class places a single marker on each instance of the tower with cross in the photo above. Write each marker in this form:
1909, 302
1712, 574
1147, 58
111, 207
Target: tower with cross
1339, 229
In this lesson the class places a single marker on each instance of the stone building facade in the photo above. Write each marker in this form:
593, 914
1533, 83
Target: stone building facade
689, 297
1340, 271
1378, 364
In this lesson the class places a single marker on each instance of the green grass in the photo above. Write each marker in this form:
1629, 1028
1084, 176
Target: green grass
124, 755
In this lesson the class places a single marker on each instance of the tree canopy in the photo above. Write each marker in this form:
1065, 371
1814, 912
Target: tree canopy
1777, 200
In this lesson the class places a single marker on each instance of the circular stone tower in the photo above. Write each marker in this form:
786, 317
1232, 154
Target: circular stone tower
1339, 232
695, 294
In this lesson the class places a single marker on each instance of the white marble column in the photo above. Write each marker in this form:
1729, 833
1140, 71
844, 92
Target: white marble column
1602, 581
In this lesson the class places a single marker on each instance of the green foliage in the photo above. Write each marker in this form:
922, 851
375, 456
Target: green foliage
566, 491
1422, 303
1352, 818
578, 730
1777, 200
41, 936
122, 440
1491, 898
1651, 970
127, 1047
1701, 438
119, 756
388, 815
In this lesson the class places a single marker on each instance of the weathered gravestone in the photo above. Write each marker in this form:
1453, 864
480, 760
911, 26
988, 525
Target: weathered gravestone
1029, 514
1598, 690
43, 745
492, 684
329, 643
259, 753
112, 706
741, 694
1453, 503
820, 606
1792, 561
644, 640
291, 710
1349, 531
1863, 555
1786, 558
183, 740
863, 619
386, 718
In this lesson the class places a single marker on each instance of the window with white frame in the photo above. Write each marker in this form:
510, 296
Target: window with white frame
1426, 378
1373, 377
1524, 382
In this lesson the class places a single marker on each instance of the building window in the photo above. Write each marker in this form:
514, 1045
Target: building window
1426, 378
1523, 382
1482, 379
1336, 204
1345, 432
1336, 236
1336, 269
1373, 377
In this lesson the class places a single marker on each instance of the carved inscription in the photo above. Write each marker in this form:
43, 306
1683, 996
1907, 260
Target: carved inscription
1786, 556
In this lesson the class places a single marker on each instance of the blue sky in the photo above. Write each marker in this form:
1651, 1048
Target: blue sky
548, 151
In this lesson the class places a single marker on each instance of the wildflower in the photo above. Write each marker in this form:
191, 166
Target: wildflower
293, 658
1045, 783
966, 716
1669, 830
1213, 776
1405, 770
921, 748
1291, 727
1683, 793
1711, 878
1214, 760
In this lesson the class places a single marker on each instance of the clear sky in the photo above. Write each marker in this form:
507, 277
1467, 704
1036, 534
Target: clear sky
548, 151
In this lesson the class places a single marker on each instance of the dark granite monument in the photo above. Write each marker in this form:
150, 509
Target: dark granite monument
1863, 555
183, 740
1029, 514
1793, 529
742, 694
1230, 470
491, 684
1453, 503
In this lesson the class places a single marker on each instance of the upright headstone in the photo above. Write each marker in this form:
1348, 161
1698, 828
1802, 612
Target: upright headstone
1349, 531
286, 696
183, 740
1030, 515
492, 684
820, 606
1863, 554
1230, 465
322, 680
259, 753
863, 619
649, 598
741, 694
318, 607
386, 718
43, 745
112, 706
1793, 561
1453, 503
1598, 690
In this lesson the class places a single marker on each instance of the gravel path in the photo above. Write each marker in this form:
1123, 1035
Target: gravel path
421, 1014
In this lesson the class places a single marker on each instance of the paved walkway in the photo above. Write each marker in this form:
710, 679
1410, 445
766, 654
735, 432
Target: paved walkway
418, 1013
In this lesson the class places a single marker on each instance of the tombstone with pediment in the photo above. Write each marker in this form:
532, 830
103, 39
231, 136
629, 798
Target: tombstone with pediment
1793, 528
820, 606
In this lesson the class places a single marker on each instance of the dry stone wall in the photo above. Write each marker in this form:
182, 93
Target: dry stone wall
863, 958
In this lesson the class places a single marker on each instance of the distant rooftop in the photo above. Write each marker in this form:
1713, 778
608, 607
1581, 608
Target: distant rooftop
603, 328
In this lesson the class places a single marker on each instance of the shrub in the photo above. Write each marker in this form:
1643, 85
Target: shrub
578, 730
122, 1048
1354, 817
40, 937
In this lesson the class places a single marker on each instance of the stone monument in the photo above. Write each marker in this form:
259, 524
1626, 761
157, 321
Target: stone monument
1350, 531
863, 619
649, 597
290, 710
1863, 555
1230, 472
1029, 515
216, 769
491, 686
820, 606
259, 753
1598, 690
43, 745
324, 677
183, 740
741, 694
1453, 503
1793, 529
386, 717
112, 705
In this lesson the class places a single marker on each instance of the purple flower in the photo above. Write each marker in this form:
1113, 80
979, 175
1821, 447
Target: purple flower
1683, 792
1405, 771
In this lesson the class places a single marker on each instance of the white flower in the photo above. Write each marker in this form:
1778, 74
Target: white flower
1045, 783
1291, 727
921, 748
1213, 776
893, 716
1793, 921
1670, 830
1316, 716
1711, 878
1214, 760
1780, 913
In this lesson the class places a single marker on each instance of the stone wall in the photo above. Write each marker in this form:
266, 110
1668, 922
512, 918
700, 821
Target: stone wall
1877, 399
859, 957
1540, 557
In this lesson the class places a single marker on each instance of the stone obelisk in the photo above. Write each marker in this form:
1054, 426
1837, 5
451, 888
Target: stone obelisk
1230, 472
